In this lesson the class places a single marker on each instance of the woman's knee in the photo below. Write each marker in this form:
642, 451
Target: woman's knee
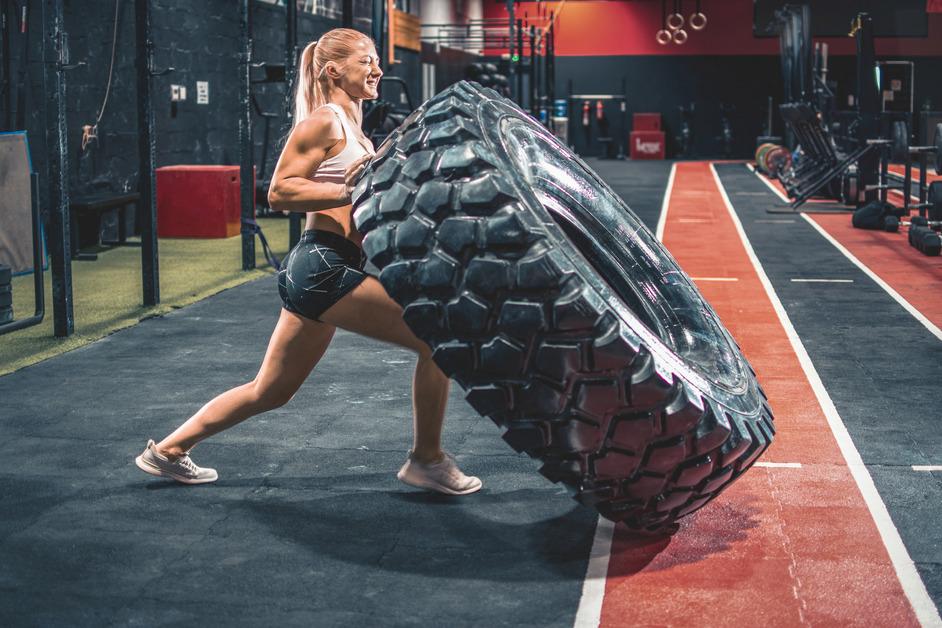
268, 397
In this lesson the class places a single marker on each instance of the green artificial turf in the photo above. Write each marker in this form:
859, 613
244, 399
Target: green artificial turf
107, 292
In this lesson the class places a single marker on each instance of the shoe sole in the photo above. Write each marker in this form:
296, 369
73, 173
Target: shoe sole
147, 467
440, 488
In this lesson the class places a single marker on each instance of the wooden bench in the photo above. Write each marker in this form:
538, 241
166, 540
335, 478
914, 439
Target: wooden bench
90, 208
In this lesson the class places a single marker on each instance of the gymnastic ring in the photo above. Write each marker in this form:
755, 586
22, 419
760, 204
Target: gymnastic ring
680, 36
697, 21
675, 21
663, 37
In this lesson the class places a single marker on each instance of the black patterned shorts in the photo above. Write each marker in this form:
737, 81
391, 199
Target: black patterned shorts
319, 271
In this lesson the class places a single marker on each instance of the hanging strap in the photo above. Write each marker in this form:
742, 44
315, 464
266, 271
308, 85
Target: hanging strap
254, 228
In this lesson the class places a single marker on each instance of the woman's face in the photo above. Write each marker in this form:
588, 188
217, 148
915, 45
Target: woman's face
361, 72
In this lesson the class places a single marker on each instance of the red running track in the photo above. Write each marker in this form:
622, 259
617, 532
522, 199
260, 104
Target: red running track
782, 546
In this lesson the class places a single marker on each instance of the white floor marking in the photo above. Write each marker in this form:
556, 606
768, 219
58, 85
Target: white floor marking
768, 184
799, 280
935, 331
715, 278
589, 613
779, 465
913, 586
784, 221
593, 589
927, 467
662, 218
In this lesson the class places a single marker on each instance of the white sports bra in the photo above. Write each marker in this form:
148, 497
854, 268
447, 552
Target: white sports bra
332, 169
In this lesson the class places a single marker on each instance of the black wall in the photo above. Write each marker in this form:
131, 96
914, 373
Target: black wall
664, 83
201, 41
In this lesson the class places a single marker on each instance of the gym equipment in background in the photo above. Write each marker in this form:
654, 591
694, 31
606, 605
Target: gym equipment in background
639, 402
672, 24
383, 115
646, 140
21, 239
726, 137
685, 138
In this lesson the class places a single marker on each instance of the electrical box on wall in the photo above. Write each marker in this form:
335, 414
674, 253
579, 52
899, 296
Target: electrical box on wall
202, 92
177, 93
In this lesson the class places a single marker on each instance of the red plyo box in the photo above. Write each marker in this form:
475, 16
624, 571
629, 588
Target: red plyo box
646, 122
199, 201
647, 144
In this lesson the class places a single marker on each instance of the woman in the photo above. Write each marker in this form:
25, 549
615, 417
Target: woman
322, 284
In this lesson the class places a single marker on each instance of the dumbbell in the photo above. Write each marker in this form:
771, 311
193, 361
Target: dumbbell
925, 240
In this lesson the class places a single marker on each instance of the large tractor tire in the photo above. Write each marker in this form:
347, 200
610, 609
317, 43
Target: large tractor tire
562, 317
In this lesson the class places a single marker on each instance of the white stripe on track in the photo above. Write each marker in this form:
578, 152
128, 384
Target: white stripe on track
589, 613
935, 331
662, 218
768, 184
927, 467
593, 589
914, 588
801, 280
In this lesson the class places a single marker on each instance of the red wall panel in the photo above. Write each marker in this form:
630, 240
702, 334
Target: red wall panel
628, 28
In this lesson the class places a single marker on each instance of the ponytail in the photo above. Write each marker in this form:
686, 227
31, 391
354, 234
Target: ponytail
304, 95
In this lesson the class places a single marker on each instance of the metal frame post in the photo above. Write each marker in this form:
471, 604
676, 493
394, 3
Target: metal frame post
346, 15
868, 105
291, 72
246, 149
6, 66
512, 70
56, 58
519, 62
147, 149
379, 30
551, 64
533, 72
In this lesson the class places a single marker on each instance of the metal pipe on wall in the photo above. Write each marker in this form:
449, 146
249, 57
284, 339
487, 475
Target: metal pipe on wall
147, 150
55, 60
246, 150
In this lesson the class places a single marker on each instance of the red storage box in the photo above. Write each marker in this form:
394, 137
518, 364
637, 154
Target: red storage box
646, 122
199, 201
647, 144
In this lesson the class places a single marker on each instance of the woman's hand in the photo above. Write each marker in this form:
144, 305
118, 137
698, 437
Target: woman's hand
354, 170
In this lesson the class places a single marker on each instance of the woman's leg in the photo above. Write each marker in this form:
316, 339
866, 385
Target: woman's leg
296, 346
369, 311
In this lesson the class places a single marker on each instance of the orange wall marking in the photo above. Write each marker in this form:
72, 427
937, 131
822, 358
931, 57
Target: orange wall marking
781, 547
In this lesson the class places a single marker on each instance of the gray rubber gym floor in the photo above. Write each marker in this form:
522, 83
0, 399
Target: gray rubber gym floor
307, 524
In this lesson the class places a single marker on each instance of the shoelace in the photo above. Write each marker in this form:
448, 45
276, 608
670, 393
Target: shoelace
187, 463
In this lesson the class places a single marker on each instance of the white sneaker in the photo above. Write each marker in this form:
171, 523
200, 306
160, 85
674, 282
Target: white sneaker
443, 476
182, 469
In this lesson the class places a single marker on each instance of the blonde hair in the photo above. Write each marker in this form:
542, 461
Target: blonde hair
334, 46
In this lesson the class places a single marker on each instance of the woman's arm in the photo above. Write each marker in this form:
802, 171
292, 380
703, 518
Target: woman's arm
307, 147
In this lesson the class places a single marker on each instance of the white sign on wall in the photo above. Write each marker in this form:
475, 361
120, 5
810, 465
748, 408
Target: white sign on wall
202, 92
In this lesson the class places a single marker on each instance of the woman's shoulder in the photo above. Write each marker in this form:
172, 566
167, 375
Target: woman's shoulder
321, 128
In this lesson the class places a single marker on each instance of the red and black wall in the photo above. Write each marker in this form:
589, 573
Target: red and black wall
598, 43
